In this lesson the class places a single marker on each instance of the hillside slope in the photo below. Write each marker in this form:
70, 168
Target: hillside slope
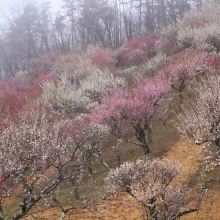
124, 207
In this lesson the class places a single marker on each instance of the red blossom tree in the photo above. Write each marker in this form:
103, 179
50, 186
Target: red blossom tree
135, 106
15, 92
11, 99
102, 59
34, 89
138, 50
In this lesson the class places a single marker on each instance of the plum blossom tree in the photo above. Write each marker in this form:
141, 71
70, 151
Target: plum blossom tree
135, 106
43, 64
63, 97
12, 100
79, 85
103, 60
200, 122
187, 67
17, 91
39, 152
74, 66
200, 119
157, 185
199, 26
138, 51
33, 90
155, 63
99, 82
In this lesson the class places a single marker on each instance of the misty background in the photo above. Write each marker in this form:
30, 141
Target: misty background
31, 29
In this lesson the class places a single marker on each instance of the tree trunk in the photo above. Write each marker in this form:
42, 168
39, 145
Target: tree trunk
89, 166
180, 100
1, 212
63, 215
217, 142
149, 133
76, 192
75, 185
143, 141
102, 161
119, 160
2, 216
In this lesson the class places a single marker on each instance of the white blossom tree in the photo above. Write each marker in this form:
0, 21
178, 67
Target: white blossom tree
156, 185
79, 85
200, 119
63, 97
199, 26
40, 151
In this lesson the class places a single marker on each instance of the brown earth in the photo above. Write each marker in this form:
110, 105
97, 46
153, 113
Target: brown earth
124, 208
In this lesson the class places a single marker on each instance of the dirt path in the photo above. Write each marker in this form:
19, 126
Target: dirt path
124, 208
189, 156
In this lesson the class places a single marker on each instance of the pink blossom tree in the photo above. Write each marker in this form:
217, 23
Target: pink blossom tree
39, 152
157, 185
181, 72
135, 106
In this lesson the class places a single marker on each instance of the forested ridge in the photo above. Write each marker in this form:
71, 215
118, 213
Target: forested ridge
30, 29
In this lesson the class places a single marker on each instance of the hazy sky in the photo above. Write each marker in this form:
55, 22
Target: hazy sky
4, 4
56, 4
8, 6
